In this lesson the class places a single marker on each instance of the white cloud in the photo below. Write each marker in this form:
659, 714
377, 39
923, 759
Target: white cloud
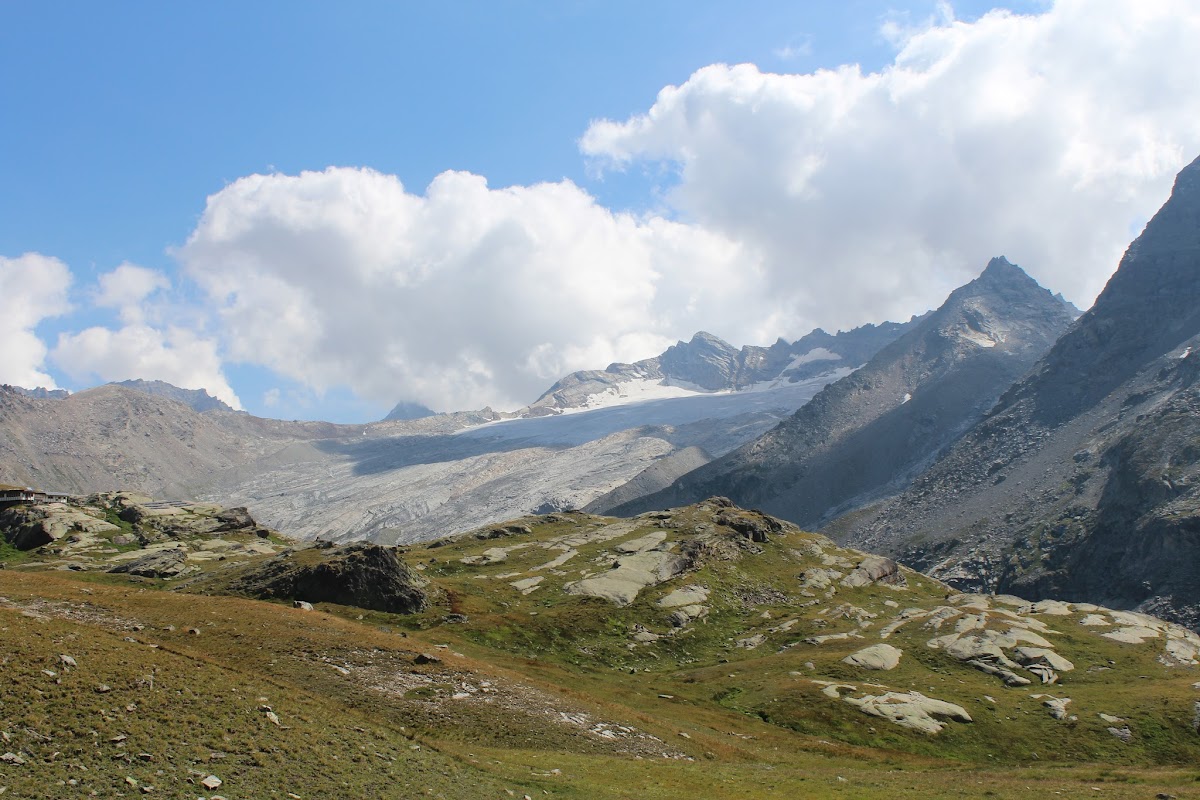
126, 289
175, 355
461, 297
869, 196
801, 48
33, 288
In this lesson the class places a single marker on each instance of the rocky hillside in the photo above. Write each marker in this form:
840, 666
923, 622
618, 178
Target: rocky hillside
113, 437
1083, 482
709, 364
708, 651
125, 533
869, 433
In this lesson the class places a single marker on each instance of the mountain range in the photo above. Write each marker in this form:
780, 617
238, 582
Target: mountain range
871, 431
999, 443
427, 475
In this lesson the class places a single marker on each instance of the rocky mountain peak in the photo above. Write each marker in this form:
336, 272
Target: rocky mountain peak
1004, 308
868, 433
1002, 276
707, 361
1162, 264
1082, 479
405, 410
1000, 268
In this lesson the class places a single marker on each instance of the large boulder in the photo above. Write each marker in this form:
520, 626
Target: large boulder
875, 569
754, 525
363, 575
235, 519
877, 656
156, 564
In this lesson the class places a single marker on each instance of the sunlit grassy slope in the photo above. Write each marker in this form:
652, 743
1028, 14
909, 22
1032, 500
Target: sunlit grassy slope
531, 689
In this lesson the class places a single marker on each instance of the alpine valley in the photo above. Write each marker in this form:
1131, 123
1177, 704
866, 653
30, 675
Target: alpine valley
954, 556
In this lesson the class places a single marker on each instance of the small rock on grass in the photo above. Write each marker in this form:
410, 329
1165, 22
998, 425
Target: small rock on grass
1124, 734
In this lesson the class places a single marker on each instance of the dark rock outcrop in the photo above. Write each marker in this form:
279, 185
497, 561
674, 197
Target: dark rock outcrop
25, 528
363, 575
754, 525
235, 519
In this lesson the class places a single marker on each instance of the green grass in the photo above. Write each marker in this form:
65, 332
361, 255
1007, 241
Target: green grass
734, 722
11, 555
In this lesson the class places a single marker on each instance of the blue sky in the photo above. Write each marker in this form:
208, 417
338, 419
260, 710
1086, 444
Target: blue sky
121, 119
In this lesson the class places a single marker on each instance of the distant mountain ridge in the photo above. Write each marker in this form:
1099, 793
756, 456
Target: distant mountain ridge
413, 479
707, 363
197, 399
870, 432
40, 393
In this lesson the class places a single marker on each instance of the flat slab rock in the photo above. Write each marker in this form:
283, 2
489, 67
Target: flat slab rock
911, 710
629, 575
684, 596
877, 656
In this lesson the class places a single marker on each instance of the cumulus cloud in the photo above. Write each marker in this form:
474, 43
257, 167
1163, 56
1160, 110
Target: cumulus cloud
1049, 138
459, 297
33, 288
126, 289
